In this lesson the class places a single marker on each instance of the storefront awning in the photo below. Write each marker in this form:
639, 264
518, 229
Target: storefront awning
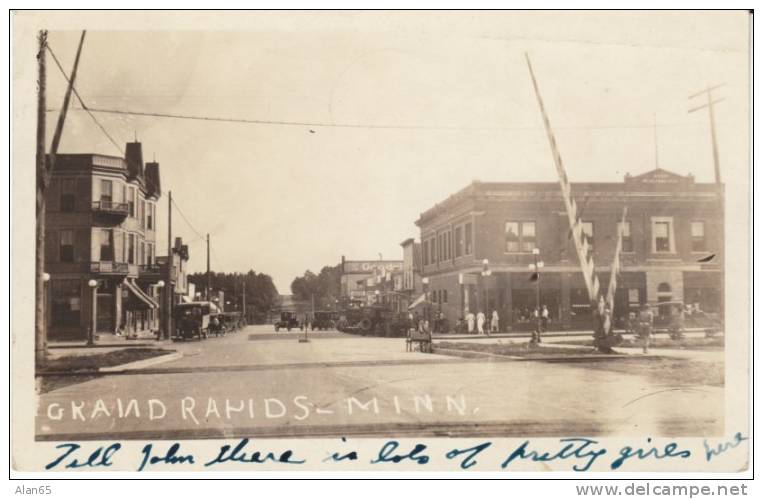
140, 295
421, 300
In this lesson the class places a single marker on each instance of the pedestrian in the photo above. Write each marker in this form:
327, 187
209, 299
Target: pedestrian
480, 322
646, 321
470, 322
494, 322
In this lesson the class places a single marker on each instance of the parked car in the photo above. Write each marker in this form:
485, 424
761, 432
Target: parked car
287, 320
192, 320
324, 320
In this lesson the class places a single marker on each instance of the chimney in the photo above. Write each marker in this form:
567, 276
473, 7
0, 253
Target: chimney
134, 159
153, 184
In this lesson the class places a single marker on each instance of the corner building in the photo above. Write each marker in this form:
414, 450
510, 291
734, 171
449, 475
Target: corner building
100, 225
672, 248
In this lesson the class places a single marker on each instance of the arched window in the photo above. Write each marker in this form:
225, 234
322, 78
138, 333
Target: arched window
663, 287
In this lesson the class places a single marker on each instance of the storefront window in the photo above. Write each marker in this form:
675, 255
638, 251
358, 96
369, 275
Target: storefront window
65, 302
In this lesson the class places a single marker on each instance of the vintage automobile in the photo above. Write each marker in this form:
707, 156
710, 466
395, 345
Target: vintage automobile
323, 320
192, 320
668, 318
287, 320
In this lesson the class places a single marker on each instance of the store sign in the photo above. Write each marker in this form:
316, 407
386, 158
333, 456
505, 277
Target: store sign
360, 267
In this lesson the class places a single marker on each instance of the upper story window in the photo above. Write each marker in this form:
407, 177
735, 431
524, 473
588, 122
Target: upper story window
68, 196
131, 248
519, 237
433, 250
66, 246
107, 245
131, 201
627, 243
425, 251
107, 195
440, 245
142, 213
459, 242
468, 239
662, 235
448, 246
698, 237
150, 216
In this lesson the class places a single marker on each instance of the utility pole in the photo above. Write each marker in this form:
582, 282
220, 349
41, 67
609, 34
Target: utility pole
710, 105
40, 330
168, 288
44, 167
209, 276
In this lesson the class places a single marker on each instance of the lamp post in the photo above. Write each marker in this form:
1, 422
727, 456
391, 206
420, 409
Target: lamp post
161, 332
93, 311
535, 267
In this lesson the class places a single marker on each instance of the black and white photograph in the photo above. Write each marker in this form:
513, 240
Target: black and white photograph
381, 241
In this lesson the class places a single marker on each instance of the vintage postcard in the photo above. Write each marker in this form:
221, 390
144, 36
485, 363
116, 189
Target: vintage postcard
493, 241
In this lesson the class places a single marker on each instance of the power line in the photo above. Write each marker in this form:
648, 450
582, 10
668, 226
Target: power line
82, 103
186, 220
317, 124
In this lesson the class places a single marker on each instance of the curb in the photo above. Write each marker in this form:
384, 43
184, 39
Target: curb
470, 354
141, 364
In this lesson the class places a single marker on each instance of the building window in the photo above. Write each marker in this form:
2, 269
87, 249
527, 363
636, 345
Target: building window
519, 237
66, 246
445, 296
65, 302
627, 242
662, 235
698, 236
448, 252
512, 237
107, 245
68, 198
142, 256
425, 251
131, 248
142, 214
106, 193
149, 254
459, 241
433, 250
468, 239
131, 201
150, 217
528, 237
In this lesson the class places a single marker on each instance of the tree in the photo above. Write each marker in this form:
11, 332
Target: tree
325, 287
261, 293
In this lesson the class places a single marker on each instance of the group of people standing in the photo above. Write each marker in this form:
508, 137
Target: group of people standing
480, 321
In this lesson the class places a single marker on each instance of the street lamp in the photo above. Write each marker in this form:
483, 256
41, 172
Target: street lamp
93, 311
535, 267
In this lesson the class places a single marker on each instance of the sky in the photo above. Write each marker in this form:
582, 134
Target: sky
436, 100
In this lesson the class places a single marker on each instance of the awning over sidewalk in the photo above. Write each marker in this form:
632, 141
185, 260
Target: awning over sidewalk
421, 300
140, 295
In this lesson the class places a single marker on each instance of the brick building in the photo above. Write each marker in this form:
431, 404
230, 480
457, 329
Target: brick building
672, 247
100, 226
